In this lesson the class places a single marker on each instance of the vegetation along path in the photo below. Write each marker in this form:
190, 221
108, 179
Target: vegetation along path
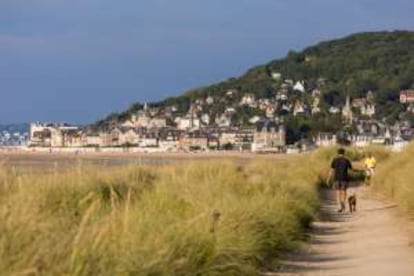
375, 240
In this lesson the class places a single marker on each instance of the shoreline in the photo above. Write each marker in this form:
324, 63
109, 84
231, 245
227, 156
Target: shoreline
51, 161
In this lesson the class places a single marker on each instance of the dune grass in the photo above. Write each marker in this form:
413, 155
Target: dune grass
200, 218
394, 178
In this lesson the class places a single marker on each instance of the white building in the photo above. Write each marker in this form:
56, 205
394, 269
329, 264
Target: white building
210, 100
334, 110
223, 121
93, 140
248, 99
205, 118
129, 137
187, 122
276, 75
368, 110
299, 86
157, 123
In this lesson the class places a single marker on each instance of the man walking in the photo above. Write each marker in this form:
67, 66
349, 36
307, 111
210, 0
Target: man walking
339, 167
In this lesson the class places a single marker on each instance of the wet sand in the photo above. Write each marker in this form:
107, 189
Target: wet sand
37, 160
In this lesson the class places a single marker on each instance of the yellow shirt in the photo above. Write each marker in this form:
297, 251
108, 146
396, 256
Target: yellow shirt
370, 162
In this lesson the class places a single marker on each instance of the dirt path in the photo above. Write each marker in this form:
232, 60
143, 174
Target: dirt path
375, 240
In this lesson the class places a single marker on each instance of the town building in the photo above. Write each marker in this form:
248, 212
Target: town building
407, 96
268, 136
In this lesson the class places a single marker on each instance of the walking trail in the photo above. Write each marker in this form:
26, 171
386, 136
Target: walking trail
376, 240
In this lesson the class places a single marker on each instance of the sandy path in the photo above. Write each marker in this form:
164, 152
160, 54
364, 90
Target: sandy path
375, 240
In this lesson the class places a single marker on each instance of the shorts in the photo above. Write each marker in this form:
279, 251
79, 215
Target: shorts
341, 185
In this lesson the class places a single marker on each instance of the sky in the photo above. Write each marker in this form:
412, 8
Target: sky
78, 60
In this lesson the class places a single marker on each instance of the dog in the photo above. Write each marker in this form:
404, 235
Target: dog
352, 201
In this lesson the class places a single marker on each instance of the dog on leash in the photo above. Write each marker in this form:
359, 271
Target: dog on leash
352, 201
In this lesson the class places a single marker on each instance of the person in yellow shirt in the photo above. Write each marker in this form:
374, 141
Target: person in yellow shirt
370, 163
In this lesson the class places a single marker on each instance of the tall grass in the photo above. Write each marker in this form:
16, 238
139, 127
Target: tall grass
201, 218
394, 178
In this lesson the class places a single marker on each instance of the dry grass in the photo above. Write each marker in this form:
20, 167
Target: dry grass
203, 218
394, 178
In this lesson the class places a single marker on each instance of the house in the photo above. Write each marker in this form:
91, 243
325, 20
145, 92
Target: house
362, 140
288, 83
128, 137
276, 75
56, 140
194, 140
407, 96
195, 108
316, 93
315, 105
227, 137
245, 138
281, 95
223, 120
187, 122
367, 127
157, 122
254, 119
205, 119
248, 99
140, 119
270, 111
334, 110
92, 140
299, 86
368, 110
230, 110
347, 113
148, 140
407, 133
210, 100
128, 124
410, 108
315, 110
169, 138
71, 138
370, 96
39, 135
169, 145
326, 139
268, 136
299, 108
359, 102
286, 108
54, 135
114, 135
238, 138
231, 92
153, 112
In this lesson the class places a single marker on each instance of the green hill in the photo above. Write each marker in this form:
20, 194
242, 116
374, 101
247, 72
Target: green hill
381, 62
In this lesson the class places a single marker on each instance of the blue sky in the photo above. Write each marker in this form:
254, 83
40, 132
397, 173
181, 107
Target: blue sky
78, 60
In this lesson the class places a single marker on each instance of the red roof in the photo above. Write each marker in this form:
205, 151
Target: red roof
407, 96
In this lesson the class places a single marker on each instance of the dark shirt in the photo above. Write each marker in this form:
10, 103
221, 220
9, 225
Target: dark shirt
341, 165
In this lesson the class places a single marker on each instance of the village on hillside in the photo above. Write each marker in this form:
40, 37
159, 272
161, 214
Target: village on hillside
163, 129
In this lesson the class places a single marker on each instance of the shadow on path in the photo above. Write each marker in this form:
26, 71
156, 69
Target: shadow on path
372, 241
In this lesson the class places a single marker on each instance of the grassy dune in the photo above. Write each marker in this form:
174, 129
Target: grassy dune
394, 178
211, 218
